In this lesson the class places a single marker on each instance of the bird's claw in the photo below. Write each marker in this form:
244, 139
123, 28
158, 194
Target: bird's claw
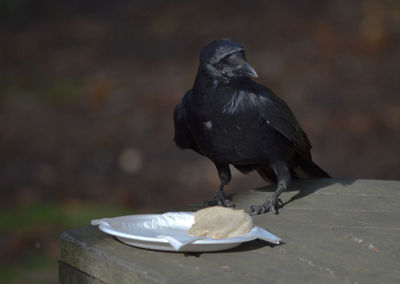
270, 204
219, 200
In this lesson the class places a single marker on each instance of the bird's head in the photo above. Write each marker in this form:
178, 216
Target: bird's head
224, 59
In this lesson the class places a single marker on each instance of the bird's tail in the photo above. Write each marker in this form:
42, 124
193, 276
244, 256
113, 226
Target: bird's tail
304, 169
310, 169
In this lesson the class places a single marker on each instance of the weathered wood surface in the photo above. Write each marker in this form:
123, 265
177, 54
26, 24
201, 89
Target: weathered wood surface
334, 231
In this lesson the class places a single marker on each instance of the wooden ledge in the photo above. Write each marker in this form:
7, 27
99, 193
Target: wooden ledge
334, 231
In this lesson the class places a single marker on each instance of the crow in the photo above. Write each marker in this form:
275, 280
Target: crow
232, 120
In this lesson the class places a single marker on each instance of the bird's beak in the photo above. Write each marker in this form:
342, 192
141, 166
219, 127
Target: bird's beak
247, 70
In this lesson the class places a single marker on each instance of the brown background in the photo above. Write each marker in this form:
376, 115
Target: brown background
88, 89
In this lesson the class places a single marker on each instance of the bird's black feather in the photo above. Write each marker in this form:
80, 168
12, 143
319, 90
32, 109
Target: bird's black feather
233, 120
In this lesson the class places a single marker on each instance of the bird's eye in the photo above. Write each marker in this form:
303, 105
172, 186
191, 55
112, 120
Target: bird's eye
234, 58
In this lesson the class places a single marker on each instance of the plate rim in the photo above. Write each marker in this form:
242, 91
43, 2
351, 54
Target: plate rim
107, 228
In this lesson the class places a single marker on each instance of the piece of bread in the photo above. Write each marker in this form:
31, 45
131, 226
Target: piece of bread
220, 222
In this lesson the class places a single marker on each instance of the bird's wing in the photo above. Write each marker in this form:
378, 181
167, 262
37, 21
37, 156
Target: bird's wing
183, 138
278, 115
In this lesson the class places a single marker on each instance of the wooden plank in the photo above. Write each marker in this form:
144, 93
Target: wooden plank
70, 275
337, 231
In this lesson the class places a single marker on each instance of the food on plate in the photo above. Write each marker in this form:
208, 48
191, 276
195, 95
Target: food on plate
220, 222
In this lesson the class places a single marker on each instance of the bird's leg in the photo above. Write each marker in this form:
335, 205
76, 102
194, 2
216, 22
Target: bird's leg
220, 198
270, 204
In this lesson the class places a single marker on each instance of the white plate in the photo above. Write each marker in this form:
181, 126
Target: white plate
168, 232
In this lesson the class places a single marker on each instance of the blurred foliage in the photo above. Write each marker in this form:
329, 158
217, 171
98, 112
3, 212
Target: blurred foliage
29, 237
59, 92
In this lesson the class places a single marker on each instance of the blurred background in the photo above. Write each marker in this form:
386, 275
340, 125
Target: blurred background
88, 88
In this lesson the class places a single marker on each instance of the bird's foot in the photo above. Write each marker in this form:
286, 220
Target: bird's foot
271, 204
220, 199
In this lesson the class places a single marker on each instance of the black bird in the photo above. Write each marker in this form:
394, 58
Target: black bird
233, 120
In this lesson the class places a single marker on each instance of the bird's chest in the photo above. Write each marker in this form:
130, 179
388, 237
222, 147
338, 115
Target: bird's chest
227, 129
228, 139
